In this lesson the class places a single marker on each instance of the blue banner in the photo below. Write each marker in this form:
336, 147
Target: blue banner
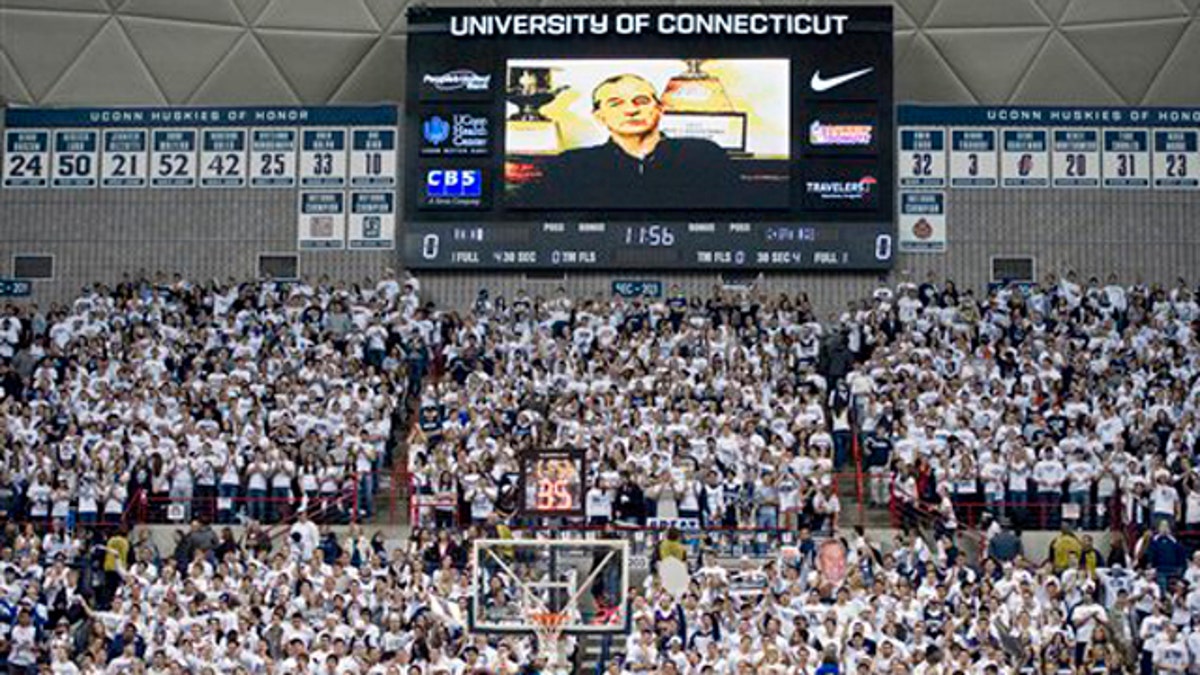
1066, 116
15, 288
637, 289
259, 116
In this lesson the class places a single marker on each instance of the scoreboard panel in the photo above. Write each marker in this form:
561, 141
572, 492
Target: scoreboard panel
649, 138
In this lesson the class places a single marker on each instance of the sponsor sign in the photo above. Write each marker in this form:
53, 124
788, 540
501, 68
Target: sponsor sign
447, 187
455, 133
456, 83
821, 134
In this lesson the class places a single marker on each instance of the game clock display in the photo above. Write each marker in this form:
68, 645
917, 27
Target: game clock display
649, 138
552, 482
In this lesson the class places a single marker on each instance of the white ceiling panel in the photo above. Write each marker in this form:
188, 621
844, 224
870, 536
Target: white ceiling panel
317, 51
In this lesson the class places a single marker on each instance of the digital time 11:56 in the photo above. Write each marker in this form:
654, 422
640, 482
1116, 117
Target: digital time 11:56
649, 235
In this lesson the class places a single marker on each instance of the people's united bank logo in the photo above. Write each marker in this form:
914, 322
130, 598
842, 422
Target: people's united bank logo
461, 79
436, 130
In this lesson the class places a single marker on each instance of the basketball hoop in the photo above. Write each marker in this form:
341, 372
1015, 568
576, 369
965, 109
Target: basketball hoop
549, 628
549, 624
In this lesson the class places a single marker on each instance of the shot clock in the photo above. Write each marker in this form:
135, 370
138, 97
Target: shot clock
552, 483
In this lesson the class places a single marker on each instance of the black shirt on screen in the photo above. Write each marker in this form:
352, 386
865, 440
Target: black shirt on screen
680, 173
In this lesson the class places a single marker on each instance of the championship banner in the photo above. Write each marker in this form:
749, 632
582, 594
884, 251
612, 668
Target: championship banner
922, 222
1057, 147
372, 220
322, 224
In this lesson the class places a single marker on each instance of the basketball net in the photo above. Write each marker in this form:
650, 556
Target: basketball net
548, 626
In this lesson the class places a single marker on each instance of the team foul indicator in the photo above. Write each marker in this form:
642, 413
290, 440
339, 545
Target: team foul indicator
552, 482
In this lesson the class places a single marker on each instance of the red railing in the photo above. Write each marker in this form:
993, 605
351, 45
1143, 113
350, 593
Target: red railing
422, 505
1035, 514
345, 504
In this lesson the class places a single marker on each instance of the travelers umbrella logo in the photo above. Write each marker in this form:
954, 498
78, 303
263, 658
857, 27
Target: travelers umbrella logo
843, 191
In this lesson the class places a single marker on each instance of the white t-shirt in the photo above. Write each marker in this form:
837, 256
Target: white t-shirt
1173, 654
1166, 499
23, 651
599, 503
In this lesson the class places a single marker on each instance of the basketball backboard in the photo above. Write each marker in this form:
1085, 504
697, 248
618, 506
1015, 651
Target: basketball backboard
514, 580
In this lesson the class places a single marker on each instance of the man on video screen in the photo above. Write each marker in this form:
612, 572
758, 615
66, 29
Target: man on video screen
639, 166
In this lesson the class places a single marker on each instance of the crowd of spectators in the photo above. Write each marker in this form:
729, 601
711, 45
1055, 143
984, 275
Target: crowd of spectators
736, 411
1028, 402
324, 604
169, 399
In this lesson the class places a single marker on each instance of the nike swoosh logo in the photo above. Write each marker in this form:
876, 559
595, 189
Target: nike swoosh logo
820, 84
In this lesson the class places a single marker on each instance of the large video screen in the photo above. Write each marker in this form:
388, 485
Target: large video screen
633, 134
649, 138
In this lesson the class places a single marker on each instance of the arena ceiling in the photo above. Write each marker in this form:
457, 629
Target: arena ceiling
181, 52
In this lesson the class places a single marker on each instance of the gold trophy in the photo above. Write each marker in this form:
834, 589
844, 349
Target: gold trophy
530, 132
696, 105
696, 91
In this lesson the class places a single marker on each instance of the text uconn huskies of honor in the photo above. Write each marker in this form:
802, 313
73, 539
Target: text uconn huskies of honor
674, 23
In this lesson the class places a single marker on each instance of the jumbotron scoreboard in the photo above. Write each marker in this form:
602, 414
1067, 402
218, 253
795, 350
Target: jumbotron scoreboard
649, 138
